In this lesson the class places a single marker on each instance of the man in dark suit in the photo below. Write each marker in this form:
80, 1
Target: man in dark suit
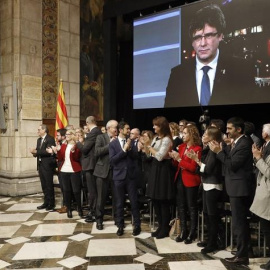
46, 165
102, 170
88, 162
238, 164
123, 154
210, 78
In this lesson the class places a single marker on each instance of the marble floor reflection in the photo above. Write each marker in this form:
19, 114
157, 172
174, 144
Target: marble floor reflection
37, 239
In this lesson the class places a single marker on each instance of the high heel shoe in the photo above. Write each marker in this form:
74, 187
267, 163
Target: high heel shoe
69, 213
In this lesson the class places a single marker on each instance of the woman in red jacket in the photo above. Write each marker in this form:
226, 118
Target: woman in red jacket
187, 183
69, 156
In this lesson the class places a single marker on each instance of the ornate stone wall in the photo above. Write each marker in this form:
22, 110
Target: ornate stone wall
49, 57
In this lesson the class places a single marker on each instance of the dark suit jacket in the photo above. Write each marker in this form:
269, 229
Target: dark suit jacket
102, 154
238, 164
88, 159
213, 167
234, 84
124, 163
47, 159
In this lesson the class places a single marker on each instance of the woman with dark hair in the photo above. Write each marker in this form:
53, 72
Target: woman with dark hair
160, 184
174, 128
211, 172
69, 157
187, 183
145, 159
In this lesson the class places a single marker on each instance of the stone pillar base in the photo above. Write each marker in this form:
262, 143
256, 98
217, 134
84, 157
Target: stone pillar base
19, 184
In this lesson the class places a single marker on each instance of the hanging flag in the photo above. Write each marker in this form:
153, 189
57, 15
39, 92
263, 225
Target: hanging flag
61, 111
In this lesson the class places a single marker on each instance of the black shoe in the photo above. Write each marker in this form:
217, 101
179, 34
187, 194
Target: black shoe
181, 237
265, 266
89, 219
191, 237
237, 260
99, 226
50, 208
202, 244
208, 250
69, 213
120, 231
155, 233
43, 206
80, 213
136, 230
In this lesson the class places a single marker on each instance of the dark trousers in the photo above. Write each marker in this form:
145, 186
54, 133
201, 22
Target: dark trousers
122, 187
211, 199
265, 227
62, 188
240, 225
91, 190
102, 191
46, 179
72, 184
163, 213
186, 197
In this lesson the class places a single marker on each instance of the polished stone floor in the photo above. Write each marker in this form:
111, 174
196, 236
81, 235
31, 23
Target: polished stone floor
37, 239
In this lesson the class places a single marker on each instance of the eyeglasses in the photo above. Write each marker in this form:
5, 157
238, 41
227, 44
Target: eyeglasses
207, 36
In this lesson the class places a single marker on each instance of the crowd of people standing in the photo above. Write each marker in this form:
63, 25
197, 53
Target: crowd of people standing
173, 166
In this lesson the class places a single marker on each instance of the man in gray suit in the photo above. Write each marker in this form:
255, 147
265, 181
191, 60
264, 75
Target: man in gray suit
88, 162
102, 170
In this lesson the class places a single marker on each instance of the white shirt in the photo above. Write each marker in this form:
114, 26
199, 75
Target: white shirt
211, 74
121, 142
207, 186
67, 167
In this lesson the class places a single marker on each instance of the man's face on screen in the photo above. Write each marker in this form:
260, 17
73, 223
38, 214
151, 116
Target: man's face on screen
205, 43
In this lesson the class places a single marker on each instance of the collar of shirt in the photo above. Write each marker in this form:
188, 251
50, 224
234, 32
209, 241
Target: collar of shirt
92, 128
121, 141
211, 73
235, 142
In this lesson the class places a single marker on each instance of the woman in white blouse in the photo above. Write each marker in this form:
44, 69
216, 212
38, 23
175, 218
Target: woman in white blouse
160, 183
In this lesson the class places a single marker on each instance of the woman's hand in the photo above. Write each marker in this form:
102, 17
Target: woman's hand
193, 155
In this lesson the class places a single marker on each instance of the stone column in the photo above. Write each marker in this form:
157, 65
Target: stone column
21, 65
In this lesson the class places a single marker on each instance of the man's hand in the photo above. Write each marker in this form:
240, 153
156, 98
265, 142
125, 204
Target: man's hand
33, 151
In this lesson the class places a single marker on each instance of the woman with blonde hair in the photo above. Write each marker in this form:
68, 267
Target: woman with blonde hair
187, 183
69, 157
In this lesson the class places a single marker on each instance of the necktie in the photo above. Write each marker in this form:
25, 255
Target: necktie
123, 143
205, 87
232, 146
42, 139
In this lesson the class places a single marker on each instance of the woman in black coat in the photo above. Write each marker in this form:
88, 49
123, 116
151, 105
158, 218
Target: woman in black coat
211, 173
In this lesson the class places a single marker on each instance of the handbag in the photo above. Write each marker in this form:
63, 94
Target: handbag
175, 228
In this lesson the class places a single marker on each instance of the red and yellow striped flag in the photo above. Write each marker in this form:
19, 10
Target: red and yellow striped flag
61, 111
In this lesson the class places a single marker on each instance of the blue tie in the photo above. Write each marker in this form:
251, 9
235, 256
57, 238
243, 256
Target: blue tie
205, 87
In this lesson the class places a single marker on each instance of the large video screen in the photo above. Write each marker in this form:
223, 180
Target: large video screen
203, 54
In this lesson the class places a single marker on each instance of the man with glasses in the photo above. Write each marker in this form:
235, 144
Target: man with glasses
46, 166
212, 77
